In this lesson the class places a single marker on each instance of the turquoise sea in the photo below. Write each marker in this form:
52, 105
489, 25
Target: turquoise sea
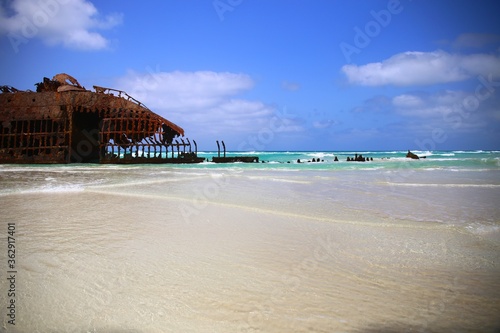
478, 160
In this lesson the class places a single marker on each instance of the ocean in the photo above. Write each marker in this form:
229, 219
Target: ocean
284, 245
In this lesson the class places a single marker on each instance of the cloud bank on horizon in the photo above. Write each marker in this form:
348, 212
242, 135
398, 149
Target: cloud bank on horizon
234, 72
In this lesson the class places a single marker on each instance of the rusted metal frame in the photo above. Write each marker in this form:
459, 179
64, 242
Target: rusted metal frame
67, 135
131, 132
123, 137
27, 137
33, 137
52, 137
30, 138
102, 149
103, 90
117, 137
148, 145
104, 139
17, 134
155, 128
139, 134
42, 143
50, 127
3, 136
60, 138
158, 142
5, 139
152, 128
157, 139
150, 139
113, 125
161, 143
6, 135
70, 139
178, 147
120, 137
42, 140
133, 142
22, 137
144, 134
183, 145
134, 135
20, 140
30, 144
147, 134
130, 98
43, 128
149, 128
12, 137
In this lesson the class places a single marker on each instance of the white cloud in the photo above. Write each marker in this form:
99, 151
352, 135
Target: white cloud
206, 104
234, 115
71, 23
184, 91
407, 101
423, 68
428, 106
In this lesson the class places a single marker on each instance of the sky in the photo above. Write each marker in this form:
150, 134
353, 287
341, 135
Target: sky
277, 74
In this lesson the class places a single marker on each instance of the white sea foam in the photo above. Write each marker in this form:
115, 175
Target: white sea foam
484, 229
49, 188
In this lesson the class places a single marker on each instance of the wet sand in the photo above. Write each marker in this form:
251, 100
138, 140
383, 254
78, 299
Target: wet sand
134, 258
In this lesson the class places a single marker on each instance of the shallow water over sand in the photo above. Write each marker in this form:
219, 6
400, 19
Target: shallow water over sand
162, 249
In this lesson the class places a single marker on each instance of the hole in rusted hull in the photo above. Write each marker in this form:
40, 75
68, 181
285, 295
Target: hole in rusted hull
84, 138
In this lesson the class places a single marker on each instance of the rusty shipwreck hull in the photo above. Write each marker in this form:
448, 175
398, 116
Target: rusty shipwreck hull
64, 123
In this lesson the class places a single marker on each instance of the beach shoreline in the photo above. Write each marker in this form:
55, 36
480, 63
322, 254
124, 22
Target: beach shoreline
237, 250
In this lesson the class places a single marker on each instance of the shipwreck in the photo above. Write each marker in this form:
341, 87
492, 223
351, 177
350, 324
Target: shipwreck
62, 122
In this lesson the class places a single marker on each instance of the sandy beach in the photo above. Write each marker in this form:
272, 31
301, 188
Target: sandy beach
219, 251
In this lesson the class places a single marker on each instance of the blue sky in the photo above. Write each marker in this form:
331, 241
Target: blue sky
277, 74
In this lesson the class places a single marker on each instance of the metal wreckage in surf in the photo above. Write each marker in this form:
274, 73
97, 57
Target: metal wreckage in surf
62, 122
